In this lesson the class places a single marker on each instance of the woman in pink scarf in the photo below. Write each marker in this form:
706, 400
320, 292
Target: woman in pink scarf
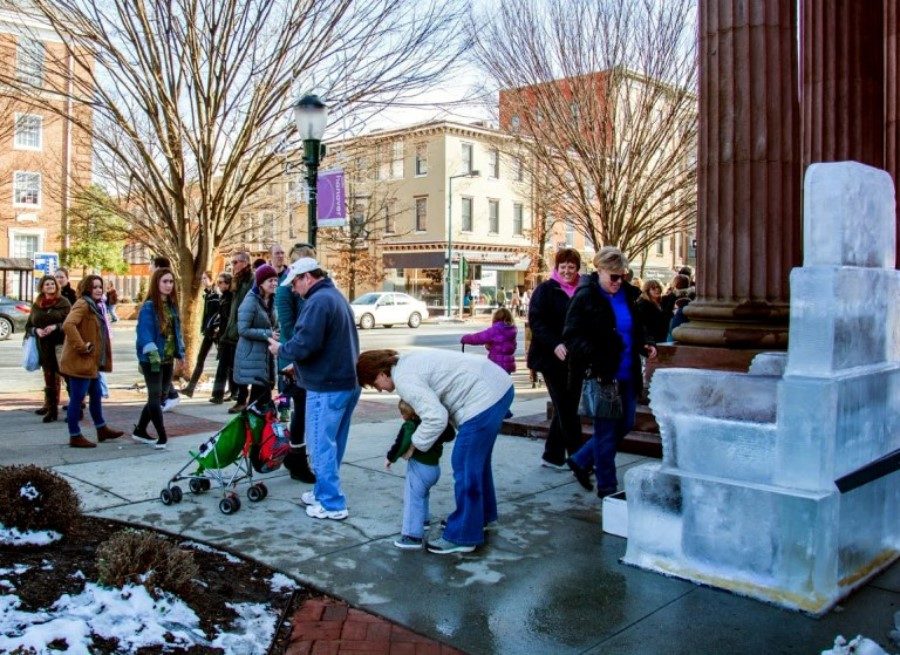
547, 354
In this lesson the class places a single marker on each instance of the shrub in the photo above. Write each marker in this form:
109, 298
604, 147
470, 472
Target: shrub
35, 498
139, 557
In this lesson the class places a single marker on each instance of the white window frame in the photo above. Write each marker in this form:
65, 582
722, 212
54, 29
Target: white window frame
518, 219
40, 195
424, 204
421, 159
493, 220
30, 69
15, 232
467, 166
17, 144
520, 169
389, 218
396, 165
494, 163
462, 214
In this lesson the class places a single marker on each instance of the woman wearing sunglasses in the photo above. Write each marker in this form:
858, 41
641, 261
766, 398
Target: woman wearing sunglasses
605, 338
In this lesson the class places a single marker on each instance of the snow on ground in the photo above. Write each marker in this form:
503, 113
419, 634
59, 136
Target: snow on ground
131, 616
196, 545
15, 537
280, 582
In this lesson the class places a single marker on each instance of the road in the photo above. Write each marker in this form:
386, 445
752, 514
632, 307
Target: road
125, 370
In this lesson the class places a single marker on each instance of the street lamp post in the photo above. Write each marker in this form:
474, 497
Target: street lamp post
311, 116
448, 278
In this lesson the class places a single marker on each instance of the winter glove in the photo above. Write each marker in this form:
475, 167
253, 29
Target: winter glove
153, 357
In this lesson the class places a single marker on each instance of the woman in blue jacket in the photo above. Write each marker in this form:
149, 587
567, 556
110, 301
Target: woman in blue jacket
159, 344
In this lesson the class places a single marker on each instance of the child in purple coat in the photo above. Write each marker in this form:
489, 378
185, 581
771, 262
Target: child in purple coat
499, 339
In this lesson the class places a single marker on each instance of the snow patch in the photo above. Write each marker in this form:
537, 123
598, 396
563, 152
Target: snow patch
196, 545
28, 492
859, 645
255, 629
16, 537
280, 582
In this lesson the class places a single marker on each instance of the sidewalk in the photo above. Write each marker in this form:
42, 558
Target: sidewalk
548, 581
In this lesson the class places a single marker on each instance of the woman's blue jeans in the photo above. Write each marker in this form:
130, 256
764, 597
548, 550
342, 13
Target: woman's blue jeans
473, 480
601, 449
78, 389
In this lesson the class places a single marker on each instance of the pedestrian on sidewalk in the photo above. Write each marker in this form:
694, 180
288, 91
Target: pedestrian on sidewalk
288, 305
256, 324
605, 338
86, 352
112, 299
547, 354
474, 395
170, 397
324, 349
65, 288
48, 312
423, 470
159, 344
223, 373
499, 339
241, 281
208, 324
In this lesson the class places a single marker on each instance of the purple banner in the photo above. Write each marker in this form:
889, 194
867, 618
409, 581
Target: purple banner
331, 199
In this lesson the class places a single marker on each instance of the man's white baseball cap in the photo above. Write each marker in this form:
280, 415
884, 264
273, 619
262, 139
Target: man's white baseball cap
299, 267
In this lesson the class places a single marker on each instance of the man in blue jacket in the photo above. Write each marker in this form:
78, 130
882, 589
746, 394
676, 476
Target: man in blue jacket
324, 349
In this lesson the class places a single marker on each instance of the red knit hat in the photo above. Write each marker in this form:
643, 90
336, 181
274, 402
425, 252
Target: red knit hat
263, 273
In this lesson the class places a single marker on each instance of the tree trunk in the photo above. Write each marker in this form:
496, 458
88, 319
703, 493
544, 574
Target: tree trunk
191, 300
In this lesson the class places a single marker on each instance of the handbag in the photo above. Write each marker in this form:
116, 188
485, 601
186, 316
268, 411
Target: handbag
31, 359
601, 399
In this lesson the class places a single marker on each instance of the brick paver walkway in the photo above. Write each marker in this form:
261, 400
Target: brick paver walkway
324, 626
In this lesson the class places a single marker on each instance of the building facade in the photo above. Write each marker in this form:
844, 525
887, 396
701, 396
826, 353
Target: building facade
44, 160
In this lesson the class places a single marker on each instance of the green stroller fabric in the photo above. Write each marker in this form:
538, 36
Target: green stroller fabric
229, 444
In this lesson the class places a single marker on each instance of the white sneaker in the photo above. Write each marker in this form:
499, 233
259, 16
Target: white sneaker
150, 441
318, 512
170, 404
308, 498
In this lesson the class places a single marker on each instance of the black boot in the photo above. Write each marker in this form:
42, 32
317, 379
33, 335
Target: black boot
41, 411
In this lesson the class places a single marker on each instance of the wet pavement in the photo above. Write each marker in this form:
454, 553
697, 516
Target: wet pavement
547, 581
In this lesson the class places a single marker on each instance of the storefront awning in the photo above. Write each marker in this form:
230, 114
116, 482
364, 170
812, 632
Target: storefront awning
415, 260
499, 261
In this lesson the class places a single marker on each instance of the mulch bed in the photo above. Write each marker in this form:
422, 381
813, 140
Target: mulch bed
222, 580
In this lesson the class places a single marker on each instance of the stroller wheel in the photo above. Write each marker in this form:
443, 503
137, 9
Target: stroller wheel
264, 489
177, 494
205, 484
166, 497
196, 486
255, 493
228, 505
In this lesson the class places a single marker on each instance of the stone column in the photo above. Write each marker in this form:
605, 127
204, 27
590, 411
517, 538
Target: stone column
748, 219
892, 96
843, 81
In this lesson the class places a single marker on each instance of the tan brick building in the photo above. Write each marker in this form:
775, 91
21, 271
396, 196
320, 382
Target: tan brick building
43, 159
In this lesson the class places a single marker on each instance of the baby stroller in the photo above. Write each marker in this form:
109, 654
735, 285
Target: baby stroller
254, 440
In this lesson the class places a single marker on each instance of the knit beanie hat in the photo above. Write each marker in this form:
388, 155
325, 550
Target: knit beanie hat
263, 273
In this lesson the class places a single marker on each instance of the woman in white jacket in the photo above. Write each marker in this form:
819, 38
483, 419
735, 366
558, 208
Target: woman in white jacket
474, 395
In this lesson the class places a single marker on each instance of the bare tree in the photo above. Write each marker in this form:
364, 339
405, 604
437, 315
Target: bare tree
189, 99
602, 95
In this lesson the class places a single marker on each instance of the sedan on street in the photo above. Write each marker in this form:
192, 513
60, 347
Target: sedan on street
13, 316
388, 309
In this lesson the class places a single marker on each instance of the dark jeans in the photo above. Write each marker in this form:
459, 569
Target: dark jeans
224, 370
564, 438
156, 383
78, 389
298, 416
607, 435
259, 392
205, 347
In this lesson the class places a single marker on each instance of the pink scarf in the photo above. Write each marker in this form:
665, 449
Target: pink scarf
568, 288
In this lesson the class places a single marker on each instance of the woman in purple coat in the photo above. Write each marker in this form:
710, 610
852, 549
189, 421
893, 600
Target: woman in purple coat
499, 339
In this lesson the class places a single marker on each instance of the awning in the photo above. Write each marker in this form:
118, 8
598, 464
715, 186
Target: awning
500, 261
415, 260
521, 265
16, 264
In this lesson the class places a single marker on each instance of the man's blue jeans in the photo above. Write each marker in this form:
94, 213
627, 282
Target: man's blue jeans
473, 480
78, 389
601, 449
420, 478
327, 428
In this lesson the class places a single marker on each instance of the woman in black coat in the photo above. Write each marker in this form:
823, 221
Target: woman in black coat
45, 321
605, 338
547, 354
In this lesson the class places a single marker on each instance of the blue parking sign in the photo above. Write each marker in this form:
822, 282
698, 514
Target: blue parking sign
46, 262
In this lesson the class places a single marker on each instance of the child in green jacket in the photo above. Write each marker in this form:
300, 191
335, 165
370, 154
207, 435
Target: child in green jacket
422, 473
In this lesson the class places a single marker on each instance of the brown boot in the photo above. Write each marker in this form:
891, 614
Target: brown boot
81, 442
52, 406
106, 433
46, 406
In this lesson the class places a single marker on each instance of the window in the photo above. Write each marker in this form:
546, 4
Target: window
493, 163
661, 246
515, 123
28, 131
26, 188
421, 159
493, 216
468, 158
421, 214
357, 220
389, 226
397, 159
267, 229
30, 61
570, 232
520, 169
25, 245
518, 219
466, 215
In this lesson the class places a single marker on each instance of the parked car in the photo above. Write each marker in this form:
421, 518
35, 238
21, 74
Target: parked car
388, 309
13, 316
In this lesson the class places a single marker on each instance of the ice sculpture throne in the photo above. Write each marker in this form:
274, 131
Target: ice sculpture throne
782, 483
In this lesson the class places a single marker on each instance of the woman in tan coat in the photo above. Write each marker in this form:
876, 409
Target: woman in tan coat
86, 352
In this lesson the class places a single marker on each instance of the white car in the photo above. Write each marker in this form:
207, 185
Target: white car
388, 309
